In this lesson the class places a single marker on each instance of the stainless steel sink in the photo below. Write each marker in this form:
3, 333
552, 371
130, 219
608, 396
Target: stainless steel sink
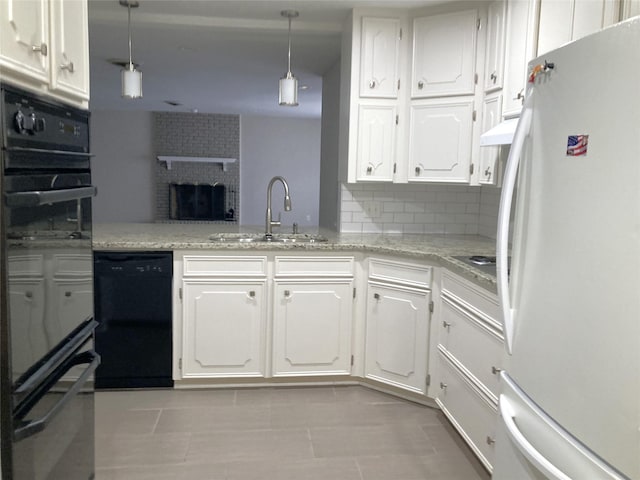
260, 237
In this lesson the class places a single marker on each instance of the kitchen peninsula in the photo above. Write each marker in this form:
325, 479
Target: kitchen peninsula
397, 313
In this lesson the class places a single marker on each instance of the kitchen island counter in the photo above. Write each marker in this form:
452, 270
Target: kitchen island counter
439, 248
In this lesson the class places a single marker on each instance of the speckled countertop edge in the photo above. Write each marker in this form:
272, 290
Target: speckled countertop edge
437, 248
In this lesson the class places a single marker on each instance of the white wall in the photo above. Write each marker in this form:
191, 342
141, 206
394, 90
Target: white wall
123, 166
271, 146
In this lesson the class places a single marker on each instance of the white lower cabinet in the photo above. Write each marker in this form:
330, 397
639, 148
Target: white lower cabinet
397, 324
224, 335
312, 327
470, 352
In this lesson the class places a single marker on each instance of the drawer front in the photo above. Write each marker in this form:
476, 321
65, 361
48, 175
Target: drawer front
477, 346
397, 272
314, 266
469, 411
481, 300
205, 265
25, 265
72, 265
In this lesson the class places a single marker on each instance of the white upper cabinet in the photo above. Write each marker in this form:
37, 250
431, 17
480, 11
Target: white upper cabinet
494, 57
376, 142
520, 47
44, 47
70, 48
24, 38
562, 21
490, 156
444, 53
629, 8
379, 60
441, 139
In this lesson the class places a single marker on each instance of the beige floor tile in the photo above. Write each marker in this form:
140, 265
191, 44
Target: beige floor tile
213, 419
312, 469
117, 422
369, 440
141, 450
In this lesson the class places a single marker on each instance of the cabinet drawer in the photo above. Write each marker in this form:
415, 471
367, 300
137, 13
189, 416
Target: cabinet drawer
484, 303
205, 265
315, 266
471, 413
477, 346
396, 272
26, 265
72, 265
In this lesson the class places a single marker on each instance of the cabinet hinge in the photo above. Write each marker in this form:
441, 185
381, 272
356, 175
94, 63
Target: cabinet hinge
354, 292
431, 306
475, 78
471, 169
352, 360
180, 363
474, 115
428, 380
478, 24
397, 119
180, 293
394, 167
398, 84
400, 34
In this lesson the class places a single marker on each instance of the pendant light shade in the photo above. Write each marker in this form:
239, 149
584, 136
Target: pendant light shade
131, 78
288, 96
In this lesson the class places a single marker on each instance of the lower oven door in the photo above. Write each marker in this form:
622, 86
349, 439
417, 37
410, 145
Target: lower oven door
54, 427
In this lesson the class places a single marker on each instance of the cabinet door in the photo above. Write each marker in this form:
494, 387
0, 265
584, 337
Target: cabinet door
70, 48
562, 21
470, 412
223, 329
519, 49
24, 36
27, 302
444, 53
72, 300
490, 155
397, 336
494, 59
440, 145
376, 148
312, 328
379, 56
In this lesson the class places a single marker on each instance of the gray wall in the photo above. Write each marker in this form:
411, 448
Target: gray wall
123, 166
329, 185
279, 146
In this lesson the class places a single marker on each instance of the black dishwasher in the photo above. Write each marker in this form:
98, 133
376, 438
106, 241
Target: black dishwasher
133, 308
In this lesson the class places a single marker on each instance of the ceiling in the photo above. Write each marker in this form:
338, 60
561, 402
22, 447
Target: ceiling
214, 56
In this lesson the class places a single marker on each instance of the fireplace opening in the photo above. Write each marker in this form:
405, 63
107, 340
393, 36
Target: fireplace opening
197, 202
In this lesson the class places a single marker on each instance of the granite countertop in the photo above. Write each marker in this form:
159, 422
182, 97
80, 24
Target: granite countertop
437, 248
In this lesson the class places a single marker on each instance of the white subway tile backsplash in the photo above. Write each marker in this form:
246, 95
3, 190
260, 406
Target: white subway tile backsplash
420, 208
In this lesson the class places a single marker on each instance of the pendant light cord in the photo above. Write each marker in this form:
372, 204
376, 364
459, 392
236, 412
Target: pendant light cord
289, 55
129, 23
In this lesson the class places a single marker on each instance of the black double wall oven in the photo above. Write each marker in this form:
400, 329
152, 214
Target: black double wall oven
47, 358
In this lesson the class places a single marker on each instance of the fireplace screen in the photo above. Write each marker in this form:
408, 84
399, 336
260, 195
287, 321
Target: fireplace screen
197, 202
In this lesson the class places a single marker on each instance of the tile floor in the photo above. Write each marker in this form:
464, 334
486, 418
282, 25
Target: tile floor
327, 433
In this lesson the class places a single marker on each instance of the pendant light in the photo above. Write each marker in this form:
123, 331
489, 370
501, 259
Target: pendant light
289, 83
131, 78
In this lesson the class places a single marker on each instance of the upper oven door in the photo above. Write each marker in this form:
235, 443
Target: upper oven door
49, 263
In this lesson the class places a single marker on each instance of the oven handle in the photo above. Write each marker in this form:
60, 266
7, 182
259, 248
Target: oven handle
50, 152
35, 426
44, 197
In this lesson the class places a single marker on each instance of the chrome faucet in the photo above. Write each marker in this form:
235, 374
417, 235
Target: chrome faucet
287, 204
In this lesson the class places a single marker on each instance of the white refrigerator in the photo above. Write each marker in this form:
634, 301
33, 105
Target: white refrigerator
570, 402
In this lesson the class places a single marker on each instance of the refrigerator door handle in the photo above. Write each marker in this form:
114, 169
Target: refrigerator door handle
39, 424
522, 444
504, 213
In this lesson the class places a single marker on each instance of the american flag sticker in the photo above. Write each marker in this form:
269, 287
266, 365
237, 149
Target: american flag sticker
577, 145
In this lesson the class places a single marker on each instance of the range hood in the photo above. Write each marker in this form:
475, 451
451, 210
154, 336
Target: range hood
501, 134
